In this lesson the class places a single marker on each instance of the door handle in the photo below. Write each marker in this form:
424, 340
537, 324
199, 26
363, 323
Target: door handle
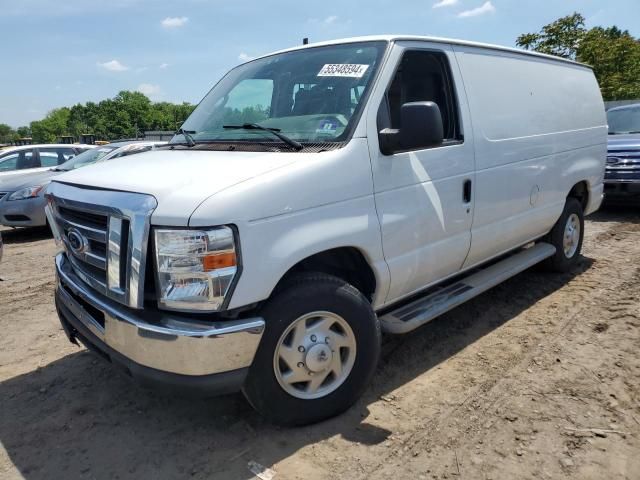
466, 191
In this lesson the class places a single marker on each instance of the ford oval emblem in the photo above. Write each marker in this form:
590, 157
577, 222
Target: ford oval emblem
613, 160
77, 243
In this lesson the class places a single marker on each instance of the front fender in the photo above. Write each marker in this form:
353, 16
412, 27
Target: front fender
271, 247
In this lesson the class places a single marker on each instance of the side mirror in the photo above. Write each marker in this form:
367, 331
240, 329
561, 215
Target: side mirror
420, 127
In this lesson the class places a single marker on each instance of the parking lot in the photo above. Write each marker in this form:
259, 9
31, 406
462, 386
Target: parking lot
538, 378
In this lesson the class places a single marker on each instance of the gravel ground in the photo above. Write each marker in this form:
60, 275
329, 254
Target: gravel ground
537, 378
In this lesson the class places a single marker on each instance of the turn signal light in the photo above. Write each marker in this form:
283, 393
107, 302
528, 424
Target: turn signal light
218, 260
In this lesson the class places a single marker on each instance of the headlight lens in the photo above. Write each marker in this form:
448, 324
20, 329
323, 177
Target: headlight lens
29, 192
195, 267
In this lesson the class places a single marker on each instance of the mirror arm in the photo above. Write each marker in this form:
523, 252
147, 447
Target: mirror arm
389, 139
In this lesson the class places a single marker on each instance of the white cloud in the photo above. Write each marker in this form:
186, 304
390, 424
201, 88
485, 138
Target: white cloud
163, 66
174, 22
487, 7
149, 89
113, 66
245, 57
445, 3
330, 19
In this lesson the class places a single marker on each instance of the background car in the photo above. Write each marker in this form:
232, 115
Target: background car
622, 171
17, 160
22, 196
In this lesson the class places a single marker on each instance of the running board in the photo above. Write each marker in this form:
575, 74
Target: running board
424, 309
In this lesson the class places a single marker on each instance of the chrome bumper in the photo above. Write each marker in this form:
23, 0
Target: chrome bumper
167, 343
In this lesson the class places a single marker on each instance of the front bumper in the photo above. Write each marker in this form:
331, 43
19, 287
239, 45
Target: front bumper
167, 349
621, 187
28, 212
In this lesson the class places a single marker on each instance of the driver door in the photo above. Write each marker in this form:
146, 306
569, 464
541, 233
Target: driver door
424, 196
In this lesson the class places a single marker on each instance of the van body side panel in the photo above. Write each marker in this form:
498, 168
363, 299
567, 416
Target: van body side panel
540, 128
419, 194
319, 202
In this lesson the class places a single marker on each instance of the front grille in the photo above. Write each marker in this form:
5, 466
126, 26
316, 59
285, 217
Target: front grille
87, 218
623, 160
105, 235
91, 258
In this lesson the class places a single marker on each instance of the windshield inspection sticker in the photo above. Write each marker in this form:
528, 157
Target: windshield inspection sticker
327, 127
343, 70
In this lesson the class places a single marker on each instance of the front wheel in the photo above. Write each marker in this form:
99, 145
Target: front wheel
566, 235
318, 353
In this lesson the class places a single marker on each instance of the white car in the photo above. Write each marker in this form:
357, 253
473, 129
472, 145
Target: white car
319, 196
33, 158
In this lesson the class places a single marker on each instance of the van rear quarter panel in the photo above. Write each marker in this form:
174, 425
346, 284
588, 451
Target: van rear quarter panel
539, 128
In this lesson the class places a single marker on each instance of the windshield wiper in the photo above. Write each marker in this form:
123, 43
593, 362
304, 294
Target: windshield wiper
275, 131
190, 142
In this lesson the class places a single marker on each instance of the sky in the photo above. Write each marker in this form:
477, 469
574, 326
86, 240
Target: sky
57, 53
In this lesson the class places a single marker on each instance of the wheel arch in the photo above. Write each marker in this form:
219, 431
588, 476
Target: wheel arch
581, 192
347, 263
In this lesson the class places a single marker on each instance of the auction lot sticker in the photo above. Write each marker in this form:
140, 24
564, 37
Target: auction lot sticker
343, 70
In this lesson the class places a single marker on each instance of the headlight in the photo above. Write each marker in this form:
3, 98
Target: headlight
29, 192
195, 268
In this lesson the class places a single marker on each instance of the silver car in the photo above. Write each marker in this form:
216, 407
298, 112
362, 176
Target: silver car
22, 196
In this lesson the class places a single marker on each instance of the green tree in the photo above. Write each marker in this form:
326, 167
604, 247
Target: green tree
614, 54
615, 57
51, 127
23, 132
6, 133
560, 38
127, 115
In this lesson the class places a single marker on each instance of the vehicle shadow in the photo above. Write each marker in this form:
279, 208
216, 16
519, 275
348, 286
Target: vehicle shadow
611, 212
25, 235
77, 417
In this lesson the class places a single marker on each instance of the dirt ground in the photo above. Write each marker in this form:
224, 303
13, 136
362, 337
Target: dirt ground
538, 378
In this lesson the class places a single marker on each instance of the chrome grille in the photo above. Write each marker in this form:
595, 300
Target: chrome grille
623, 160
105, 236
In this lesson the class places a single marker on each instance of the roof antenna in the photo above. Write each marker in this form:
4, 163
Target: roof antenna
305, 41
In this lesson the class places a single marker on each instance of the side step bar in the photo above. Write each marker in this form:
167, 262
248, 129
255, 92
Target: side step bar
424, 309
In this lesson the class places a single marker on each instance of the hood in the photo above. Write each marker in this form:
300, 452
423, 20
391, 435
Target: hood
22, 180
624, 142
180, 180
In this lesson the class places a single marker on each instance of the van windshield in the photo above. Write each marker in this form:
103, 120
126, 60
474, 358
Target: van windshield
313, 95
624, 120
86, 158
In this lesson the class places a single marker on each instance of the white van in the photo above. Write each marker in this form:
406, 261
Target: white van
318, 196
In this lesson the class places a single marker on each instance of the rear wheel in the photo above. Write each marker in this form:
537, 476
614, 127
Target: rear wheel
566, 235
319, 350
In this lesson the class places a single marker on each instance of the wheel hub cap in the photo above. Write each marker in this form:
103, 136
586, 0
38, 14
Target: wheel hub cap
314, 355
571, 237
318, 358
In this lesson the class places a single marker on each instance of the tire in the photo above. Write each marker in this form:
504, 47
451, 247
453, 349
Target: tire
308, 302
563, 261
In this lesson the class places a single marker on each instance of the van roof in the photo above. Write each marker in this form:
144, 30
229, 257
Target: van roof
395, 38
